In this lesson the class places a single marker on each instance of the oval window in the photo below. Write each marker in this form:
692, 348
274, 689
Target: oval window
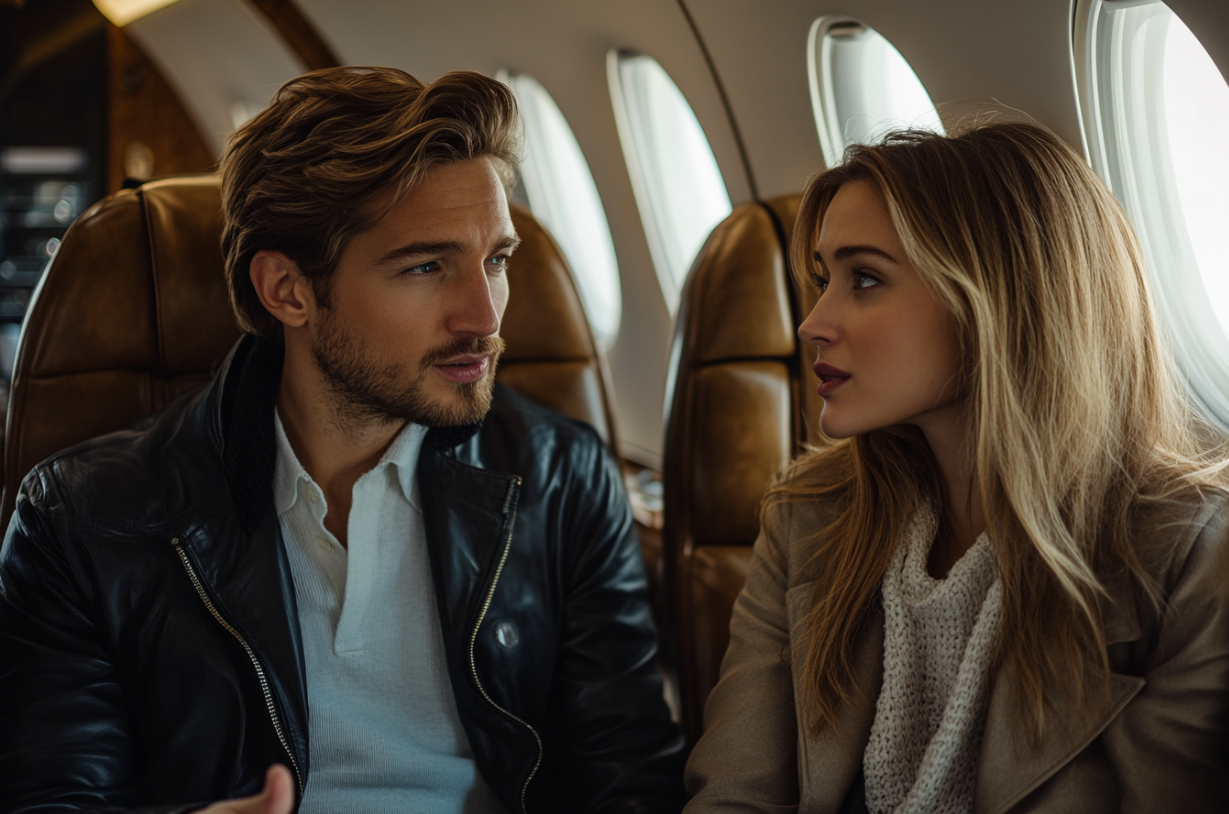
679, 189
563, 195
1155, 112
861, 87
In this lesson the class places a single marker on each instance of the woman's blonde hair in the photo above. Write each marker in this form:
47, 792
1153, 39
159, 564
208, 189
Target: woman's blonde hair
1075, 412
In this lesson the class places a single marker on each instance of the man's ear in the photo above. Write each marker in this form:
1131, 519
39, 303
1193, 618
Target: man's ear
282, 288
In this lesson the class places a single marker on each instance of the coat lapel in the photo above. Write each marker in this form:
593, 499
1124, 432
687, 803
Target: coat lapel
832, 759
248, 578
233, 538
1008, 770
467, 512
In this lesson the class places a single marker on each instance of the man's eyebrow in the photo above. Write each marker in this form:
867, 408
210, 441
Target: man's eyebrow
846, 252
419, 249
440, 247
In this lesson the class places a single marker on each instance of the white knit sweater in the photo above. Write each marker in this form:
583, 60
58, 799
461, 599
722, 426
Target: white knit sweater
938, 643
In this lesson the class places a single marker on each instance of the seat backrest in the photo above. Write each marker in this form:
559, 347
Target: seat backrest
133, 311
553, 357
738, 409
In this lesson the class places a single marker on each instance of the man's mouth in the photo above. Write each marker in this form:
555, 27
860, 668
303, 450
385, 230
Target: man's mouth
465, 369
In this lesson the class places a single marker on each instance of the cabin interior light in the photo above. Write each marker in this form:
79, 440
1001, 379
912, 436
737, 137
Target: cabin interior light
122, 12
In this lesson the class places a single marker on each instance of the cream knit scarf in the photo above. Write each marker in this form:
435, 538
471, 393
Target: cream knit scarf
938, 642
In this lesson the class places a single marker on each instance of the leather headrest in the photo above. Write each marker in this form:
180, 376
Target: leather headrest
133, 311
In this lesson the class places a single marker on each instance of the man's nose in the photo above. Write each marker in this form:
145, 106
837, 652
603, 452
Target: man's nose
473, 306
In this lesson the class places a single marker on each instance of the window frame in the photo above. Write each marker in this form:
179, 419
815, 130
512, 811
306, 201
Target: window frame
821, 81
1127, 144
545, 195
823, 91
642, 163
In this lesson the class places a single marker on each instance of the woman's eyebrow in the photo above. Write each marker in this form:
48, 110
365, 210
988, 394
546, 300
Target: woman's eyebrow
845, 252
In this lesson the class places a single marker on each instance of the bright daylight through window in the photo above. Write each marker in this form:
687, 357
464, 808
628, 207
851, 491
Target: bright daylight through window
678, 186
564, 197
861, 87
1156, 120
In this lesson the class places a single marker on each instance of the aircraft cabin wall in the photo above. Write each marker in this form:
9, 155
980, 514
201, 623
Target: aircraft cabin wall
741, 64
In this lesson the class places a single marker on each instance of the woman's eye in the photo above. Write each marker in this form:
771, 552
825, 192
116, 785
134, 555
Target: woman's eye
864, 280
820, 283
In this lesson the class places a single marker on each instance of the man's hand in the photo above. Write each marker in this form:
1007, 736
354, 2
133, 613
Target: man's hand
276, 798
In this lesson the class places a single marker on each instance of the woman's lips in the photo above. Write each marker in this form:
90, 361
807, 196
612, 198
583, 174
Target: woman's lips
466, 369
830, 378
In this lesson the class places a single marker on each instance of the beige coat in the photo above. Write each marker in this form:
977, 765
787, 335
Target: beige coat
1159, 743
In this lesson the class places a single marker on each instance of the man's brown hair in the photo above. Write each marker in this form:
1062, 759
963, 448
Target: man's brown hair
304, 176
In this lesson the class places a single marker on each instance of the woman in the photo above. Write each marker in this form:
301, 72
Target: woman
1006, 588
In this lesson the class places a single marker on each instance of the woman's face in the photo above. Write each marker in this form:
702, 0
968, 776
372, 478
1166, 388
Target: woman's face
887, 350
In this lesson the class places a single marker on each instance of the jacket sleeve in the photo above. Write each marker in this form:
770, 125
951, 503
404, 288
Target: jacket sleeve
1170, 745
64, 729
747, 760
624, 753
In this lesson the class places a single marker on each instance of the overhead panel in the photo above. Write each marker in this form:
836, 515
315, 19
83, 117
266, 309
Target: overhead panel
222, 57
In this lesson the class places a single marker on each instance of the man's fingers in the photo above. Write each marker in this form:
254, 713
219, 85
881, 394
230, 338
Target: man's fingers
279, 790
277, 797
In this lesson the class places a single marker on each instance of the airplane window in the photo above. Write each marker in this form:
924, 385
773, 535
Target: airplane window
861, 87
1155, 111
678, 186
564, 197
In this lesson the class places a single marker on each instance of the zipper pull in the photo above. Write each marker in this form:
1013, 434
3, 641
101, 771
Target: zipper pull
514, 489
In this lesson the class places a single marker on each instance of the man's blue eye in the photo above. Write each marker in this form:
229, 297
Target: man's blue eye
423, 268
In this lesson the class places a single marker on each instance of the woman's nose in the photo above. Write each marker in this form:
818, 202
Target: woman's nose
818, 328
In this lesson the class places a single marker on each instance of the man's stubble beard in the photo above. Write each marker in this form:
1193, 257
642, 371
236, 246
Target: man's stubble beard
365, 392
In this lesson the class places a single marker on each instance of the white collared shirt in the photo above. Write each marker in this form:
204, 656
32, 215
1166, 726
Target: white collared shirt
383, 728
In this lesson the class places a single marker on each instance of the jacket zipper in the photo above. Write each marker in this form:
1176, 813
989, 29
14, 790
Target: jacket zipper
260, 671
510, 511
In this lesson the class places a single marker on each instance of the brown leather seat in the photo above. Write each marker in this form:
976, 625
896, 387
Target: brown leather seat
133, 311
738, 408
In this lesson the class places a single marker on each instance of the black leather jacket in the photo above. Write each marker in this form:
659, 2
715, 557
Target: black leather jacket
150, 653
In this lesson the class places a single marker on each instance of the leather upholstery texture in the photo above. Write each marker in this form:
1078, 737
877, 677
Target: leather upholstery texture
133, 311
738, 409
552, 358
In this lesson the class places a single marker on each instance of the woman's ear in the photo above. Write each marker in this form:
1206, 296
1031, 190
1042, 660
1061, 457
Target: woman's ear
283, 290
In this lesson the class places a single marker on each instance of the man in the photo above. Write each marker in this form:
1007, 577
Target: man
351, 558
